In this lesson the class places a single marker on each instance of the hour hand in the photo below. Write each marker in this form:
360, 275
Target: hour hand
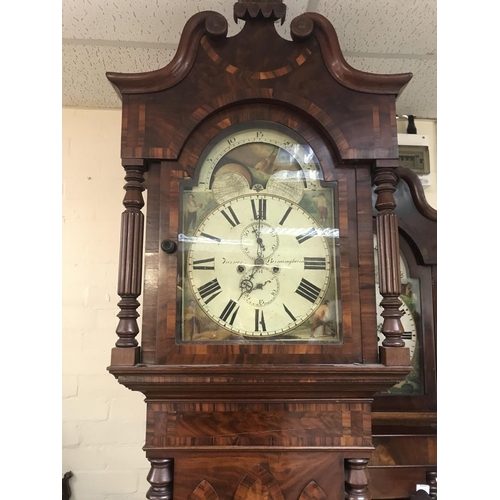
260, 286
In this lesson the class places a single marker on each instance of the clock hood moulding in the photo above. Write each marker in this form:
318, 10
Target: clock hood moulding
211, 72
302, 27
265, 382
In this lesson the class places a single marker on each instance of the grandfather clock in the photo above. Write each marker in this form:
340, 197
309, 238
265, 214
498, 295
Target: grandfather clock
259, 351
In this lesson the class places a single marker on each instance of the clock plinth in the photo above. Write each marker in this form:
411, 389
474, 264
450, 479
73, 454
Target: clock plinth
125, 356
395, 356
258, 352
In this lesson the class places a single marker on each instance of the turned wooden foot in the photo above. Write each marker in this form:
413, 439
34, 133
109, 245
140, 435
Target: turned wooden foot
357, 479
161, 478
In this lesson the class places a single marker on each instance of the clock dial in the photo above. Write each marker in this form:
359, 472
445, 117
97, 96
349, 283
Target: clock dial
256, 156
267, 240
261, 253
259, 265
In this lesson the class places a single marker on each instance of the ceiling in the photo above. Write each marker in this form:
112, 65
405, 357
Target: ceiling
130, 36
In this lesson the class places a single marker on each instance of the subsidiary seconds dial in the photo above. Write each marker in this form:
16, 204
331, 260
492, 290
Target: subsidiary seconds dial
259, 265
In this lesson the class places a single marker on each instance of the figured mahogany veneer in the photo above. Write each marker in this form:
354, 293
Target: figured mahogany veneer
243, 425
260, 475
204, 491
360, 117
312, 492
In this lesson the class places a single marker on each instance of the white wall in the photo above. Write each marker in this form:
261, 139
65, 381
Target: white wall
103, 422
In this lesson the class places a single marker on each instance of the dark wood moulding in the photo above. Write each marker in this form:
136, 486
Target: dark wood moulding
302, 27
264, 382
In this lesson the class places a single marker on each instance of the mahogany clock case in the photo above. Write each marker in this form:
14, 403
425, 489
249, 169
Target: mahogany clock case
244, 419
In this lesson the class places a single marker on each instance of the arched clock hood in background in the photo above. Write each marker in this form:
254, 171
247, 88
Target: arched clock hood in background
258, 353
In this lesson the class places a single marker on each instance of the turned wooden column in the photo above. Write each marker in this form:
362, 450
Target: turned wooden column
161, 478
357, 479
126, 351
393, 351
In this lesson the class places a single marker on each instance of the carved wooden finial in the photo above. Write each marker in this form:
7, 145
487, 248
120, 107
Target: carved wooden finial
269, 9
216, 26
301, 28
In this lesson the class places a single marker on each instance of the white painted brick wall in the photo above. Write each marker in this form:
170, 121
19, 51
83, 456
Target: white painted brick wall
103, 426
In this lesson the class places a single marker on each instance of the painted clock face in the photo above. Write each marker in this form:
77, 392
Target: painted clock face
261, 246
266, 279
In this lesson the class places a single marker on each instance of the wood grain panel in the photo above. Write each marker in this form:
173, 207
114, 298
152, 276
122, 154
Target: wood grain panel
395, 482
258, 484
255, 424
404, 450
204, 491
312, 492
291, 471
366, 265
151, 265
167, 305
